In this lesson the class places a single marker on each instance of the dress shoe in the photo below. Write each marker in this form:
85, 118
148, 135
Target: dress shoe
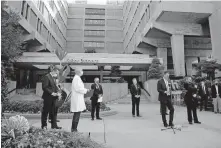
167, 114
171, 125
44, 127
57, 120
215, 112
139, 116
92, 119
133, 115
190, 123
99, 118
166, 125
56, 127
197, 122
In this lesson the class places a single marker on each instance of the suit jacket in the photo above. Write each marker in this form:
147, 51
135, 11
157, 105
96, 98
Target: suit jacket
97, 91
49, 86
214, 93
161, 88
191, 90
135, 90
202, 92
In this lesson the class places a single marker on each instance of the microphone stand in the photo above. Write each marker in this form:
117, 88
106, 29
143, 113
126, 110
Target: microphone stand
171, 127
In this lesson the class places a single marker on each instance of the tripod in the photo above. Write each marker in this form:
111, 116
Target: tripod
178, 128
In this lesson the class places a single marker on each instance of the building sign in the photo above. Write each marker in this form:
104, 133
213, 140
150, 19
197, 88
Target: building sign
90, 61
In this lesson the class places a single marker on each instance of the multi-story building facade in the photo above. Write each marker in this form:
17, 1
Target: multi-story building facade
180, 33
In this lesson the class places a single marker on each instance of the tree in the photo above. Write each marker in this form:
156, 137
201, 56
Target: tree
208, 66
11, 49
156, 69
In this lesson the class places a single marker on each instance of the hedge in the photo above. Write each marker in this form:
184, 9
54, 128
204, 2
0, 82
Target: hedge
36, 106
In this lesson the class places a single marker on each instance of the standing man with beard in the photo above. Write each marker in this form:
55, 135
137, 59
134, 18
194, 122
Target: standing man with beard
165, 99
191, 101
50, 95
98, 93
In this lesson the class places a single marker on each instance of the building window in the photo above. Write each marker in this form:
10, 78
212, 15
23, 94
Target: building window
23, 7
26, 15
170, 62
97, 33
94, 11
94, 22
51, 3
94, 44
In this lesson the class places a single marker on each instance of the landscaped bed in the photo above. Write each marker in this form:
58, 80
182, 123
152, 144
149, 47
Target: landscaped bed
34, 107
16, 132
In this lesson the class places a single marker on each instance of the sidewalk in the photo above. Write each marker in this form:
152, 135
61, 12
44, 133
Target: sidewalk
124, 131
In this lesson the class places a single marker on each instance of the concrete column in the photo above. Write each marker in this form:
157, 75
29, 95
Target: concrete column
177, 44
162, 53
215, 32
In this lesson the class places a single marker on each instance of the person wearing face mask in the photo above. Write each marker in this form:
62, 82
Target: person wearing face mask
135, 91
50, 94
95, 103
216, 95
77, 98
191, 101
165, 99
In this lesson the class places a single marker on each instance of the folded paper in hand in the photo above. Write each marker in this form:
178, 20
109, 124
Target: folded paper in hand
100, 99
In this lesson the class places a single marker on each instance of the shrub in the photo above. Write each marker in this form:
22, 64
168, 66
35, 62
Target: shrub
156, 70
35, 137
36, 106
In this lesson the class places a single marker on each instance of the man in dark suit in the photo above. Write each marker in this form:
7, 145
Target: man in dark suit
50, 94
204, 93
191, 101
95, 103
165, 99
216, 95
135, 91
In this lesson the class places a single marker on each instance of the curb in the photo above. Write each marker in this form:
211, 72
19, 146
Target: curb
62, 115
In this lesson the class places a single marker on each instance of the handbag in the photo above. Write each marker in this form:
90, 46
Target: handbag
59, 102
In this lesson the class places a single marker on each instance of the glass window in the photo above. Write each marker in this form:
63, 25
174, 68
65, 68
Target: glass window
94, 11
94, 44
94, 22
100, 33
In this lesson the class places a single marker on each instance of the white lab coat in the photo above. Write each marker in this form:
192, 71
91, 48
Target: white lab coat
77, 98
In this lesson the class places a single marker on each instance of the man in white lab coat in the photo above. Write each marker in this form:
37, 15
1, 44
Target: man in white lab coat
77, 98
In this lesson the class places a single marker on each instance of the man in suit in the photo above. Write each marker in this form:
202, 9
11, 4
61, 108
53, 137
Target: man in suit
216, 95
204, 93
135, 91
98, 92
165, 99
191, 101
50, 94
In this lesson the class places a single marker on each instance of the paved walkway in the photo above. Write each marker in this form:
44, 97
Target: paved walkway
124, 131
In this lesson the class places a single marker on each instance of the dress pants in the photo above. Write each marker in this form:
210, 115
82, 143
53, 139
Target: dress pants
164, 105
55, 114
135, 102
203, 102
191, 108
95, 106
217, 104
48, 107
75, 121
